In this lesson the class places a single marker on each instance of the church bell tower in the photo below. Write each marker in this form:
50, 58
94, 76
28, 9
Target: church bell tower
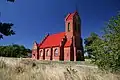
73, 31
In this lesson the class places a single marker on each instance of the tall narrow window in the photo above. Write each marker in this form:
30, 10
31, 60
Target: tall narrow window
41, 53
56, 52
47, 53
68, 27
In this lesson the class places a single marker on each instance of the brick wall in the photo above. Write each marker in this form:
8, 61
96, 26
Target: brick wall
67, 54
47, 53
34, 54
56, 58
41, 52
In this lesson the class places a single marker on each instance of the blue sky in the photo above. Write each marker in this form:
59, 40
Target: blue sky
33, 19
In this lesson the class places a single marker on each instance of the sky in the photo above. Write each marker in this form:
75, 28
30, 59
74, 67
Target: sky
33, 19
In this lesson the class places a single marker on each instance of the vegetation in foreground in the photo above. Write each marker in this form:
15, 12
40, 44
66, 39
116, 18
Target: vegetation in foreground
104, 50
28, 69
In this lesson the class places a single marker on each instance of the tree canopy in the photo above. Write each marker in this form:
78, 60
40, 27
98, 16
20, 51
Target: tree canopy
14, 51
88, 41
106, 49
6, 28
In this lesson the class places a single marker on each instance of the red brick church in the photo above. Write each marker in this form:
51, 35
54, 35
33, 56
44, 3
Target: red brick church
64, 46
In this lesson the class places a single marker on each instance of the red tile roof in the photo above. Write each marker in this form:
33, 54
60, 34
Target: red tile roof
52, 40
70, 16
55, 39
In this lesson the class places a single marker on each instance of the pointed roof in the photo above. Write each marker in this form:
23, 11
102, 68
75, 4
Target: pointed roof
52, 40
71, 15
35, 45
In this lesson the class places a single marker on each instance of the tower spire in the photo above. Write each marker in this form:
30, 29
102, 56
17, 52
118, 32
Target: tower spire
76, 6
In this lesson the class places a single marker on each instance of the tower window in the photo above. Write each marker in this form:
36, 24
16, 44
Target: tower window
68, 27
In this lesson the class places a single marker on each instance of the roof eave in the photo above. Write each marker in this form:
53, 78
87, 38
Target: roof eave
49, 47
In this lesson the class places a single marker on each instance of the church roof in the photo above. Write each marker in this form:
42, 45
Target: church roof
70, 16
52, 40
55, 39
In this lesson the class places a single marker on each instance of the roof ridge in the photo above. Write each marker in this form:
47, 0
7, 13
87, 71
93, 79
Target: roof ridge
43, 39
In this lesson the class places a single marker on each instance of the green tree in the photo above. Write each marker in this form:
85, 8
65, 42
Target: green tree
14, 51
6, 28
106, 50
88, 42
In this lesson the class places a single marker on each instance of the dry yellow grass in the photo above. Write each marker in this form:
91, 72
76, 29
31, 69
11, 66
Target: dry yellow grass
28, 69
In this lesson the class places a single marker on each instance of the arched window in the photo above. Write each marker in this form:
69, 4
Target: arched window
68, 27
47, 53
41, 53
56, 52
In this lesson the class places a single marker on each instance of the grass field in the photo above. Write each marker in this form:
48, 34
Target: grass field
28, 69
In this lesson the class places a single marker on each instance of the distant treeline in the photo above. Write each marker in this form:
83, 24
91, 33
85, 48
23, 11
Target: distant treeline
14, 50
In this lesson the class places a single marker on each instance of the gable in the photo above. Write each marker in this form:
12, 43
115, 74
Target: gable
34, 45
71, 15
